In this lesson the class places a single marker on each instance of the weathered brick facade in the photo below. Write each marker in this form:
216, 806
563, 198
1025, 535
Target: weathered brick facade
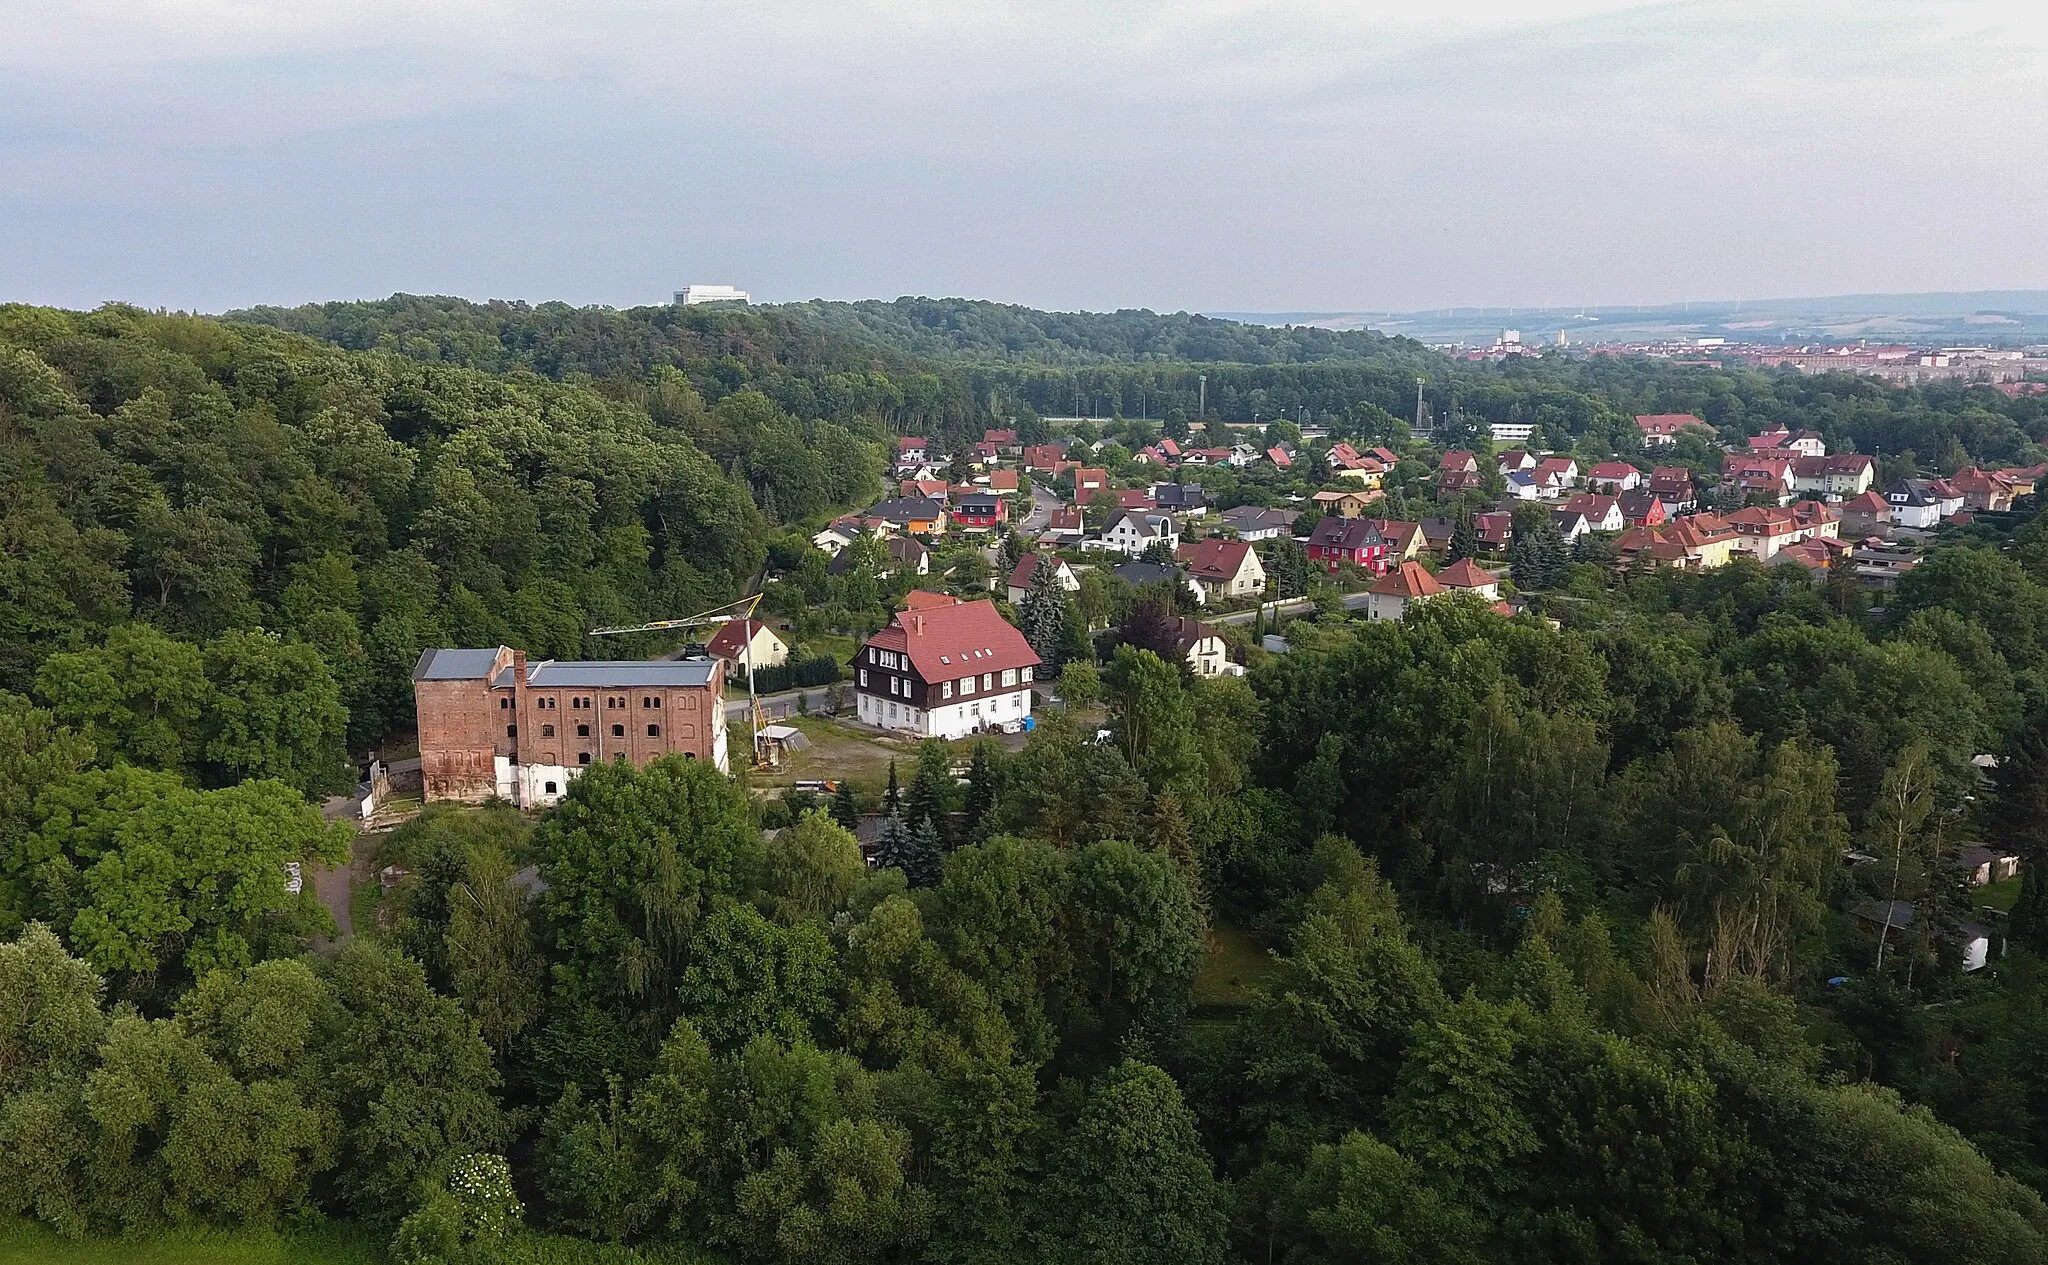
491, 724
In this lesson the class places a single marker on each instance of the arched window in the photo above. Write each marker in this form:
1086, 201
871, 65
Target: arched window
550, 788
547, 731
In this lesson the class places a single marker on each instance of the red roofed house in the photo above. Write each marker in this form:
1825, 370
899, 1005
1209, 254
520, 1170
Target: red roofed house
1866, 515
1136, 499
1766, 476
1087, 480
1642, 508
945, 672
1064, 526
1336, 541
1027, 570
1983, 490
1673, 486
1496, 530
1226, 569
1000, 438
1838, 478
1516, 459
736, 639
1406, 584
1467, 576
1458, 471
1003, 481
1386, 455
1770, 440
929, 489
1765, 531
1045, 457
1614, 476
1280, 457
1661, 429
1555, 476
1603, 513
1403, 537
912, 450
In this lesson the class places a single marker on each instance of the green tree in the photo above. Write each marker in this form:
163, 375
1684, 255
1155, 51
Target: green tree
1129, 1181
844, 810
1464, 537
750, 977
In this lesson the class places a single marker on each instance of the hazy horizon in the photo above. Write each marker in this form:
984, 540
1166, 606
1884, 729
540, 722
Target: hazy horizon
1229, 156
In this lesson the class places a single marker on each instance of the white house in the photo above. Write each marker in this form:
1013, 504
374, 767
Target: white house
1914, 503
1132, 532
744, 642
1406, 584
1025, 572
945, 672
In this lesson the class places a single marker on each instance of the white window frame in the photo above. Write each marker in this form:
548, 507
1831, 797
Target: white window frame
988, 680
946, 690
1009, 677
863, 676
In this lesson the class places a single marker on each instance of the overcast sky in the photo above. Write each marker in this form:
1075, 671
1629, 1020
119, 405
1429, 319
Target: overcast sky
1202, 154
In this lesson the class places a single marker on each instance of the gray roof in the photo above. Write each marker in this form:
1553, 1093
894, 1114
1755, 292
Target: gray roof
623, 673
455, 665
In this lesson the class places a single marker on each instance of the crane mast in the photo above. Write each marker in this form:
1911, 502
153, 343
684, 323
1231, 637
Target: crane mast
741, 608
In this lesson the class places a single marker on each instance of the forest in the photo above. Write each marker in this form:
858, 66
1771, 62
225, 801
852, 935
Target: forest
1545, 945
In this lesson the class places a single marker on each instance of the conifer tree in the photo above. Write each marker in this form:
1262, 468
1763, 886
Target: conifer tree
923, 863
981, 791
926, 801
1464, 538
892, 799
1043, 616
844, 810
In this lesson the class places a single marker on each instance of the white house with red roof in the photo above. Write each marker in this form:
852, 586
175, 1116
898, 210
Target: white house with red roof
1603, 513
1661, 429
1026, 571
1226, 569
945, 672
1467, 576
741, 642
1401, 587
1614, 476
1555, 476
913, 450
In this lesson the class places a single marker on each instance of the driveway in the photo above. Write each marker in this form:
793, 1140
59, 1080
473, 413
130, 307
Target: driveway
1043, 503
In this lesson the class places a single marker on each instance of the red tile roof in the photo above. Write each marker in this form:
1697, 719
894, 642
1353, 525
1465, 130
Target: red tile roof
925, 599
1410, 579
1665, 423
1214, 559
950, 641
1465, 574
732, 638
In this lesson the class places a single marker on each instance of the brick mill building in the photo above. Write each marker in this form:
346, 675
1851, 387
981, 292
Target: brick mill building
945, 672
493, 724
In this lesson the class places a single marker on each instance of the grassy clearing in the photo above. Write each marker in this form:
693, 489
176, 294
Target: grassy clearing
842, 751
1233, 963
32, 1245
2000, 895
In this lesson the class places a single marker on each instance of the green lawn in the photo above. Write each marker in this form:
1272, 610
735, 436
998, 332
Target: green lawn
29, 1245
2000, 895
1232, 964
840, 751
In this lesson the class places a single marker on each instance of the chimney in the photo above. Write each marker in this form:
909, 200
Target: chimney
518, 669
920, 623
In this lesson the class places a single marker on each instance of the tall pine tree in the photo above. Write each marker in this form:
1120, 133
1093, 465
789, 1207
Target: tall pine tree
1464, 537
926, 801
1043, 616
892, 799
982, 792
844, 810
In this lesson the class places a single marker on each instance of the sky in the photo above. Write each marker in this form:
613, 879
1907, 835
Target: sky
1220, 155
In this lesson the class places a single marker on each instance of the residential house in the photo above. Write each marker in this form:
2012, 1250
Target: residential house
1250, 522
492, 724
1496, 530
1240, 455
1139, 499
917, 515
1140, 574
1972, 940
1643, 508
1003, 482
1948, 495
1336, 541
1807, 443
1708, 540
1280, 456
1660, 430
1400, 588
1867, 515
1189, 500
913, 450
1555, 477
1837, 478
1772, 440
945, 672
1132, 532
1346, 503
1001, 440
1814, 553
1765, 531
1436, 532
1063, 526
1203, 649
1458, 471
1981, 866
1026, 571
1044, 458
1614, 476
1385, 456
1403, 539
841, 533
1603, 513
1227, 570
901, 555
1914, 503
1983, 490
1766, 477
1570, 523
1467, 576
928, 489
1673, 486
1089, 480
1515, 459
744, 643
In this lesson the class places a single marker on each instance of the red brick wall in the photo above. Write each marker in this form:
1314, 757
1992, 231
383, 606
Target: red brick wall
461, 730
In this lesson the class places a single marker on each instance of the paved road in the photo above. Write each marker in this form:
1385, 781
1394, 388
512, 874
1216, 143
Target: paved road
1292, 606
1043, 503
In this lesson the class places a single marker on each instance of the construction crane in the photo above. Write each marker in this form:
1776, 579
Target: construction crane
742, 608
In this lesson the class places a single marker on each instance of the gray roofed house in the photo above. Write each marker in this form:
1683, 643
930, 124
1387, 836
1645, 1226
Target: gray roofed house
620, 673
455, 665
